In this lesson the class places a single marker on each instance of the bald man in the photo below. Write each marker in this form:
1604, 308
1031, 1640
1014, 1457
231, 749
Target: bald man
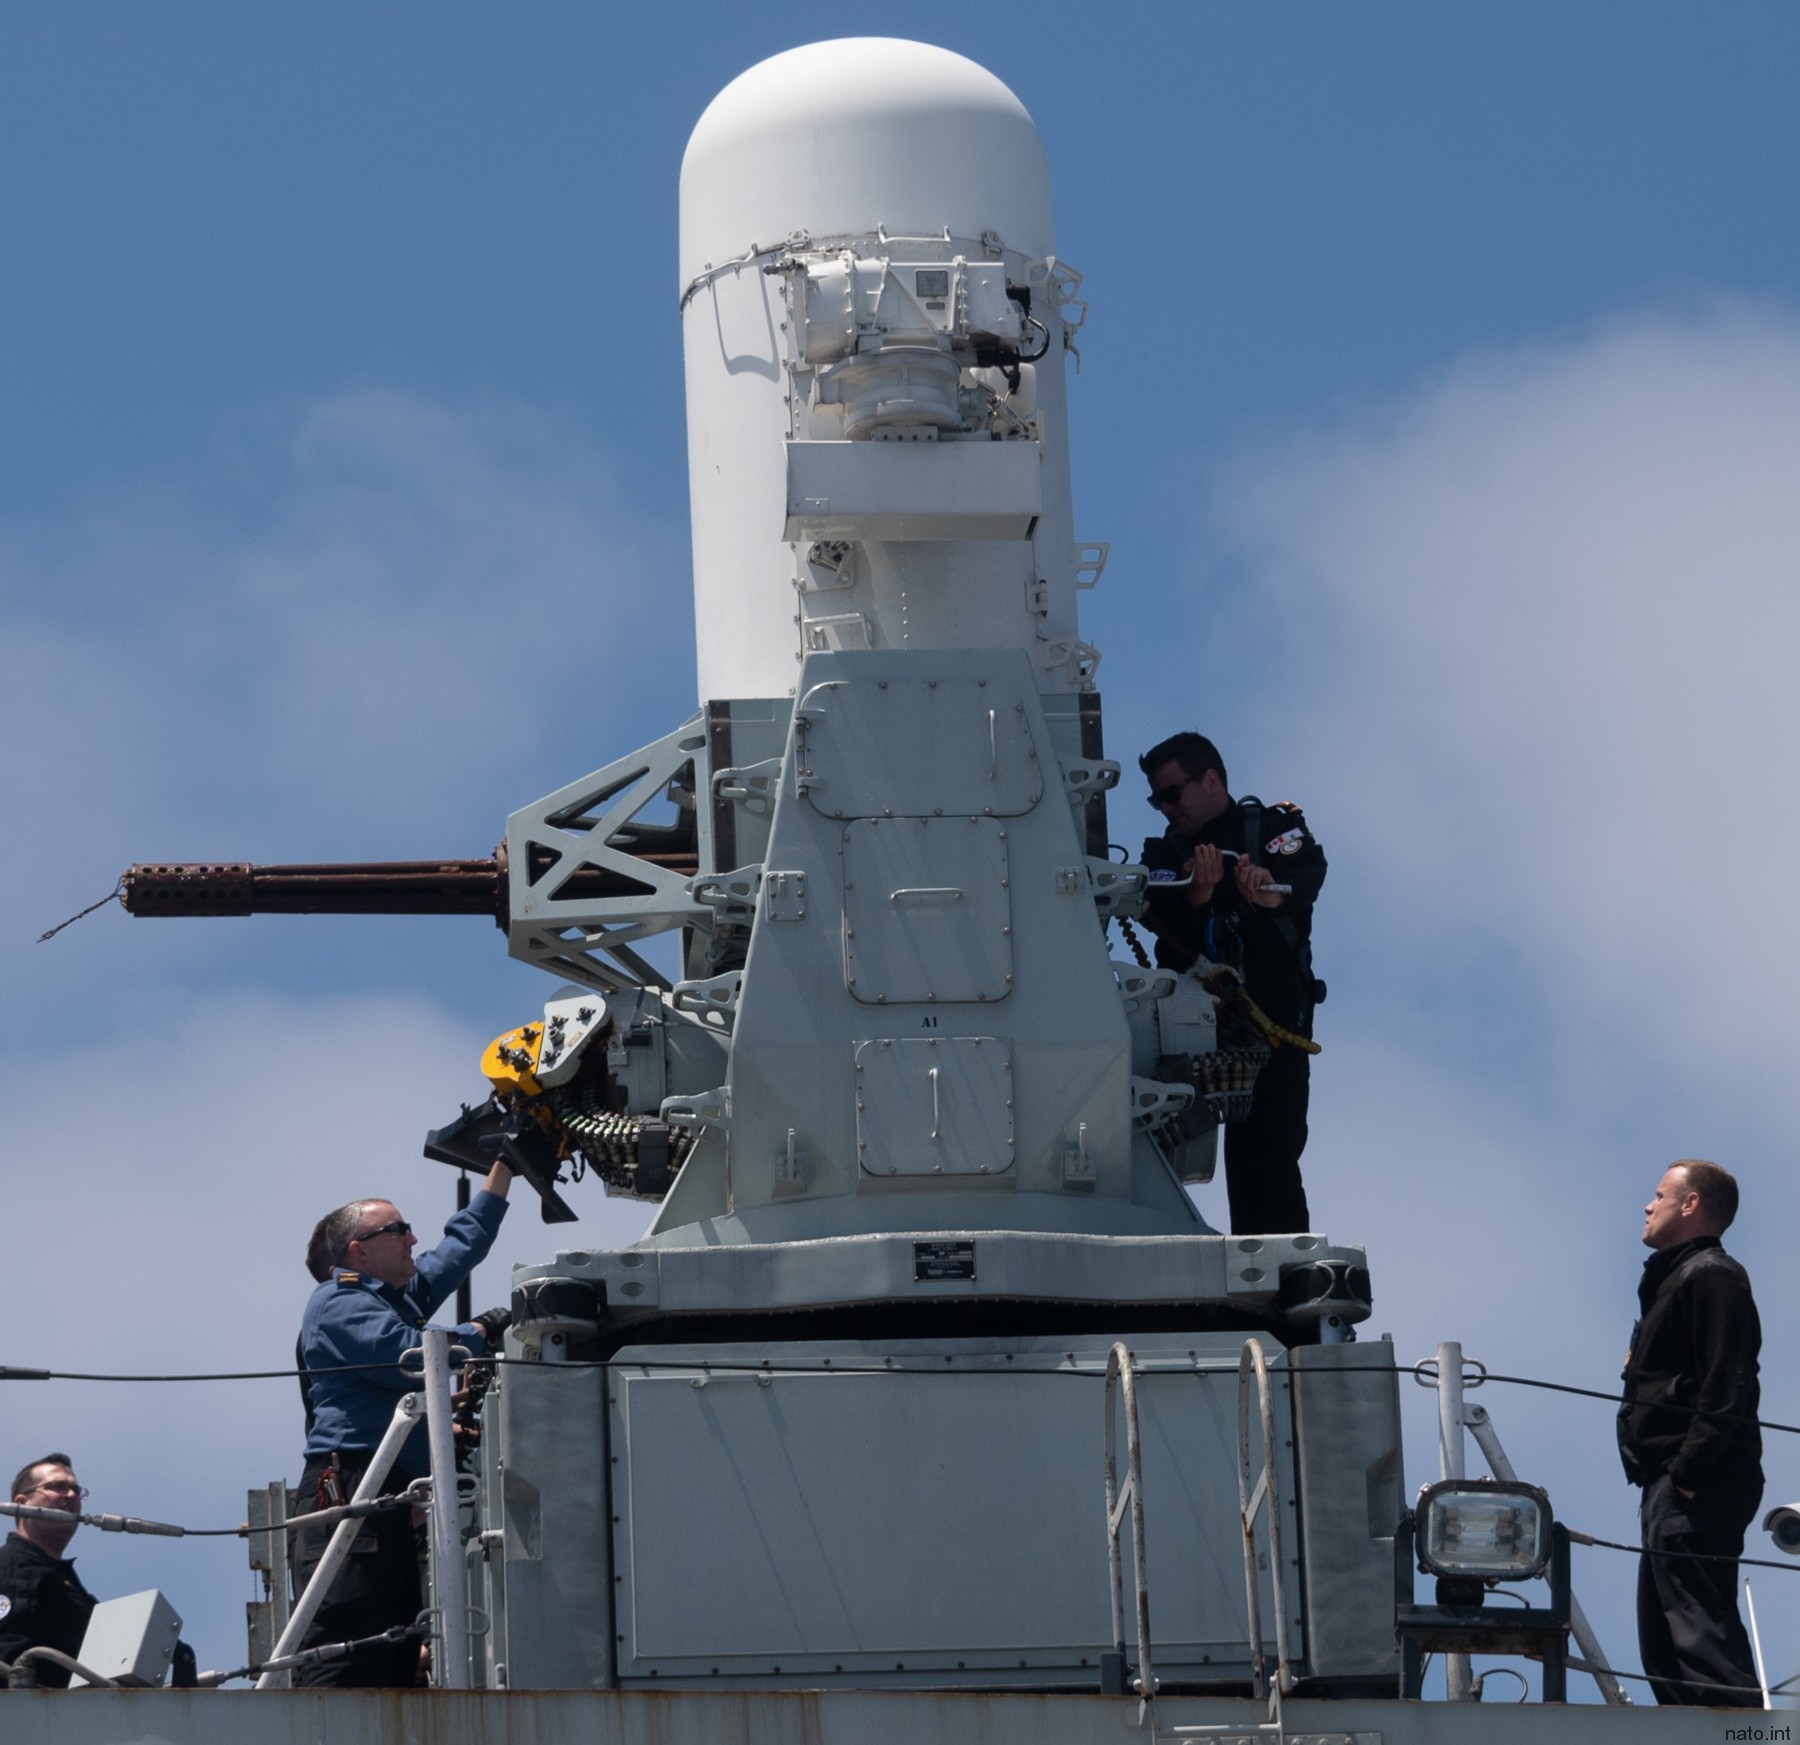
1688, 1435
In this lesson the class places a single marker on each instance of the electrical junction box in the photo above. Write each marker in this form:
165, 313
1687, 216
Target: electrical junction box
131, 1640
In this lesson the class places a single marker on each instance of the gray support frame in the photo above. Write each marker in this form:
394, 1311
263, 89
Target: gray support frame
573, 936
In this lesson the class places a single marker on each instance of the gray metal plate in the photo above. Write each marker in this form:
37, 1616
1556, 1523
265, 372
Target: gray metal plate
919, 747
892, 490
927, 910
922, 1520
934, 1106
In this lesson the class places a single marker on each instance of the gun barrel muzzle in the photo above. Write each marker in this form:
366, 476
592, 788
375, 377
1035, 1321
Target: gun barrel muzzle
395, 887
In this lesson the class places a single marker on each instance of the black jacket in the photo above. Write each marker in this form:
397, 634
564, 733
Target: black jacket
45, 1604
1271, 948
1690, 1373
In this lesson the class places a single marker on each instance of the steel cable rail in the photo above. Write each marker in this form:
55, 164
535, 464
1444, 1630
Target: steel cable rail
1419, 1371
415, 1493
418, 1630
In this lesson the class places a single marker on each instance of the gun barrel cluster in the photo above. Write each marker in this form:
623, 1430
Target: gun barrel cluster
390, 887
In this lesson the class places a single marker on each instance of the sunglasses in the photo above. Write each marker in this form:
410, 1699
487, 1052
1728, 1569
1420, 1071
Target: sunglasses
1163, 798
399, 1227
58, 1488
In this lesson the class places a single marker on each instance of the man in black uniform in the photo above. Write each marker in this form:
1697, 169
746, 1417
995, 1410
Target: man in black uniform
42, 1601
1688, 1435
1232, 851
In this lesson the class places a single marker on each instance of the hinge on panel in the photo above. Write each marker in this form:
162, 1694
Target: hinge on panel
784, 896
1037, 599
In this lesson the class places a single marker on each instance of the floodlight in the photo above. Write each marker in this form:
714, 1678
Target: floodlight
1477, 1528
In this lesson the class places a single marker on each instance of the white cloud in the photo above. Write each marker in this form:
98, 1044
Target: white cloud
1535, 630
159, 1195
392, 623
1544, 624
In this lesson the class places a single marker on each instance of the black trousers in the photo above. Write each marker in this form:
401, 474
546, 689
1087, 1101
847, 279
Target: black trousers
1694, 1646
377, 1587
1262, 1152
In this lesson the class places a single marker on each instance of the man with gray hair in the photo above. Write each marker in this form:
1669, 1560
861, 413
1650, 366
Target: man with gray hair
367, 1311
1688, 1435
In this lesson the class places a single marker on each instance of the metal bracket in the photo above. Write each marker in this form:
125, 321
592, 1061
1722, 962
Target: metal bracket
1084, 780
790, 1169
1117, 887
752, 786
1078, 1160
713, 1001
1081, 658
850, 630
1090, 562
1137, 985
1153, 1102
828, 557
732, 895
703, 1109
784, 896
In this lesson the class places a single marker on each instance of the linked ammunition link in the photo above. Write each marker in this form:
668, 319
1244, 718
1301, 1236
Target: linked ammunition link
1225, 1079
633, 1154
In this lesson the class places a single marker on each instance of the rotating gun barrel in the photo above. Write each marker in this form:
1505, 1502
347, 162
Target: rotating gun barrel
390, 887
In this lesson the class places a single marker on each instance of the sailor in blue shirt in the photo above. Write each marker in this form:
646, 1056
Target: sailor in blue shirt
369, 1310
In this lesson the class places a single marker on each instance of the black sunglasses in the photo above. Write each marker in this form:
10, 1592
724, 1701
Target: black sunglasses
399, 1227
1161, 797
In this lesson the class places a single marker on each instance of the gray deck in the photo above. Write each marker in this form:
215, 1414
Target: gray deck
163, 1717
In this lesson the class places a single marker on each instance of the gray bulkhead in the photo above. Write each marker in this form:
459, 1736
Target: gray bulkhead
929, 1033
927, 1513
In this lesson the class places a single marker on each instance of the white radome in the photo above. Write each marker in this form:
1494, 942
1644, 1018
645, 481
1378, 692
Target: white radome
893, 149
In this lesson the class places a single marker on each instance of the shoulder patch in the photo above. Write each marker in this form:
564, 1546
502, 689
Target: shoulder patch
5, 1605
1288, 842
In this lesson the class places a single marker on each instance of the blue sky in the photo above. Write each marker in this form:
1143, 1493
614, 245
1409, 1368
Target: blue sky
1441, 401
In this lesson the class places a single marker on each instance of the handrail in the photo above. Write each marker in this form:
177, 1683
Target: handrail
449, 1570
1251, 1498
1121, 1373
1266, 1490
406, 1415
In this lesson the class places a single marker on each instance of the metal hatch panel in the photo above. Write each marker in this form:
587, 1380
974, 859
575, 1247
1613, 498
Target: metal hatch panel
919, 747
927, 910
934, 1106
920, 1511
